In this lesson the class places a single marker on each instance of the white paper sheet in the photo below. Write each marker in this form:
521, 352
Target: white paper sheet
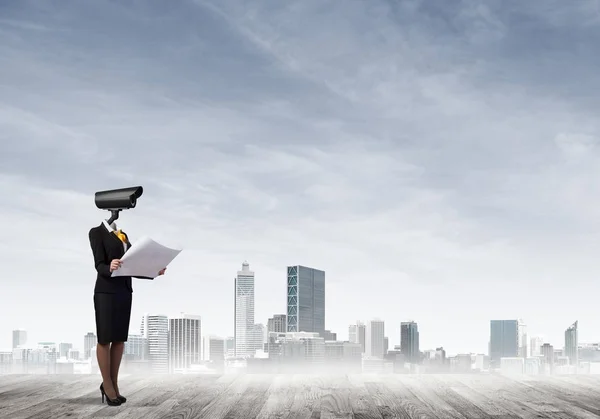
145, 258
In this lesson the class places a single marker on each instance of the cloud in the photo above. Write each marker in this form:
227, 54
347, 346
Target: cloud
436, 160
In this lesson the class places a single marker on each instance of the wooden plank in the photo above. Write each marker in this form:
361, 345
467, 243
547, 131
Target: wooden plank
483, 400
281, 398
201, 396
307, 398
335, 400
434, 394
388, 404
145, 412
362, 404
253, 399
218, 407
38, 396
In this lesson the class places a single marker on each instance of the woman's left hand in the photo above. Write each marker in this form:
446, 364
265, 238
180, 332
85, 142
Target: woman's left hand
162, 271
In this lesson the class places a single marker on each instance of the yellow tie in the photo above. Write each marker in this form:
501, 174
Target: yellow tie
121, 236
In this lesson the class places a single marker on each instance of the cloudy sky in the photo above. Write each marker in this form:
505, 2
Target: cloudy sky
438, 160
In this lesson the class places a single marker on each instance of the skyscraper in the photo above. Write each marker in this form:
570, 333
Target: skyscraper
155, 328
185, 342
89, 342
504, 340
375, 338
535, 345
409, 341
524, 350
64, 348
305, 300
19, 338
277, 323
547, 351
572, 344
244, 312
357, 334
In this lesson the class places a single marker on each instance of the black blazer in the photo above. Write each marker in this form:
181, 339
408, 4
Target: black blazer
106, 246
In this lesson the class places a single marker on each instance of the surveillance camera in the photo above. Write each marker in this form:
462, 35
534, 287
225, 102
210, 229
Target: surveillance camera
118, 199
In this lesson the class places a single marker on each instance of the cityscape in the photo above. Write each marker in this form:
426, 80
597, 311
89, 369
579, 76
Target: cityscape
298, 341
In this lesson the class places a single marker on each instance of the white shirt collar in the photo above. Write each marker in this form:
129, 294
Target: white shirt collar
108, 227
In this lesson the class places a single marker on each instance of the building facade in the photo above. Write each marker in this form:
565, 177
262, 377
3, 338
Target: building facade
375, 339
409, 341
572, 344
19, 338
244, 312
357, 333
89, 341
185, 341
277, 323
155, 328
305, 300
504, 340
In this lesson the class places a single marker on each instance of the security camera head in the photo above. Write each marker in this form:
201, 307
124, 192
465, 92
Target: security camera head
118, 199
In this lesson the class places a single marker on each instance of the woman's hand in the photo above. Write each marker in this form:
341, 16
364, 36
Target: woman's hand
115, 264
162, 271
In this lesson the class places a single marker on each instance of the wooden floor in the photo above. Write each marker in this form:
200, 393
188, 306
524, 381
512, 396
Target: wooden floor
303, 396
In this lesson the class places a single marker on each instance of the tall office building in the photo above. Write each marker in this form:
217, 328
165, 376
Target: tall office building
89, 342
305, 300
547, 351
19, 338
258, 337
330, 336
504, 340
357, 333
229, 347
277, 323
572, 344
375, 338
524, 350
535, 345
409, 342
185, 341
63, 349
155, 328
136, 348
244, 312
215, 349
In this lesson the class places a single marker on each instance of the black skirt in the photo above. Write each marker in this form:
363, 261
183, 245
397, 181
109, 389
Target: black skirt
113, 312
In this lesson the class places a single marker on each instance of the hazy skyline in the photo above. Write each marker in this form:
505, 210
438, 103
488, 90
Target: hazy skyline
438, 160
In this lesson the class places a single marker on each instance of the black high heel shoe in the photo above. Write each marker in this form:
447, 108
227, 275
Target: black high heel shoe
109, 401
121, 399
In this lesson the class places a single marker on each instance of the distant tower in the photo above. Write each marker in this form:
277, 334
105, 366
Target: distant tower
504, 340
155, 328
535, 345
524, 350
19, 338
547, 351
409, 341
185, 342
305, 300
357, 334
89, 342
572, 344
244, 312
277, 323
375, 338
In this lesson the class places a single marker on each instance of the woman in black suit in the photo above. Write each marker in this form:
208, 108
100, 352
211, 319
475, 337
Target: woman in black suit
112, 304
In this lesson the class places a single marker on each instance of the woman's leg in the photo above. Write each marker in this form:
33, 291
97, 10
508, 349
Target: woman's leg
116, 354
104, 362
